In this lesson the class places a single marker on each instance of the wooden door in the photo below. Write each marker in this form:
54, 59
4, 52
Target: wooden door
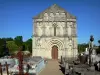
54, 52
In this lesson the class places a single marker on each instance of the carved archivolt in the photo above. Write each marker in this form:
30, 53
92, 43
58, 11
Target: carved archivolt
56, 42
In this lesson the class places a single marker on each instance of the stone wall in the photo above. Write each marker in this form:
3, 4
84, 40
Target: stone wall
52, 27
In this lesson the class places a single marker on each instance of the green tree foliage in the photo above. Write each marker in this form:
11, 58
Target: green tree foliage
18, 40
8, 39
98, 50
99, 42
12, 46
25, 46
28, 45
3, 47
81, 47
2, 42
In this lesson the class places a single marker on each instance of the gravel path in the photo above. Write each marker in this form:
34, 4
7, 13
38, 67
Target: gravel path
52, 68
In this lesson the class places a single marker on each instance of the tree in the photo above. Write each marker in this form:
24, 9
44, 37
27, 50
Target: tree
18, 40
99, 42
3, 47
8, 39
81, 47
23, 47
28, 44
12, 46
98, 50
2, 42
1, 51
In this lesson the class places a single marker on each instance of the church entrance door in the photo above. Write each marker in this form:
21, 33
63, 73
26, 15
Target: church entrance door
54, 52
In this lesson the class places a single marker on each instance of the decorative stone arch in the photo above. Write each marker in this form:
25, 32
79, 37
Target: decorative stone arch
55, 42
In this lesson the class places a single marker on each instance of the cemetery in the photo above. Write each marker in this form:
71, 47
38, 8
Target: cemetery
20, 65
87, 63
55, 38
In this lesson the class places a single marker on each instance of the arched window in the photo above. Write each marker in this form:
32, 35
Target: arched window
55, 27
54, 30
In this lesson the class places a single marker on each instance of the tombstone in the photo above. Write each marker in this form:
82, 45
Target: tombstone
98, 66
92, 59
83, 58
93, 56
94, 51
72, 71
66, 68
86, 51
95, 64
80, 56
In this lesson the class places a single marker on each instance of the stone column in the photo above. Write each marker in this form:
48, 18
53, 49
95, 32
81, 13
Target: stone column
57, 29
50, 28
35, 29
39, 31
74, 29
71, 26
47, 30
65, 31
43, 29
69, 30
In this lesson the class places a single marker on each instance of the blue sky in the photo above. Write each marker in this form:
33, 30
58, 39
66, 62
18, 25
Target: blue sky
16, 17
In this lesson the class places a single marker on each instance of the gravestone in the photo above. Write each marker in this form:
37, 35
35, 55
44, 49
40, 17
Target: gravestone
66, 68
98, 66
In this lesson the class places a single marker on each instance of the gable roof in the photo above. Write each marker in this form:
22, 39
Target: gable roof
55, 9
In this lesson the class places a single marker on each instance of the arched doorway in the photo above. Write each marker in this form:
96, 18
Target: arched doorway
54, 52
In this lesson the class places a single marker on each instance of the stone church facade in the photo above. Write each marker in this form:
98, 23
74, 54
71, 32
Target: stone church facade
54, 34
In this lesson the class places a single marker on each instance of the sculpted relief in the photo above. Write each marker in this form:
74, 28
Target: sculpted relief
48, 29
54, 16
63, 28
45, 16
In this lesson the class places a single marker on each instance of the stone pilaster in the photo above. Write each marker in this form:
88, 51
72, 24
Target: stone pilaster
43, 29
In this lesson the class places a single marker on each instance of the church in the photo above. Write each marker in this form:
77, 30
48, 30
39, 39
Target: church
54, 34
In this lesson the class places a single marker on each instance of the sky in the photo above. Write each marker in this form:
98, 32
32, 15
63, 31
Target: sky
16, 17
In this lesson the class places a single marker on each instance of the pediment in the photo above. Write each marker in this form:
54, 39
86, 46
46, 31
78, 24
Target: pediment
54, 9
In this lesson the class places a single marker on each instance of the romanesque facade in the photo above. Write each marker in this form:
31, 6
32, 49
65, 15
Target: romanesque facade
54, 34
